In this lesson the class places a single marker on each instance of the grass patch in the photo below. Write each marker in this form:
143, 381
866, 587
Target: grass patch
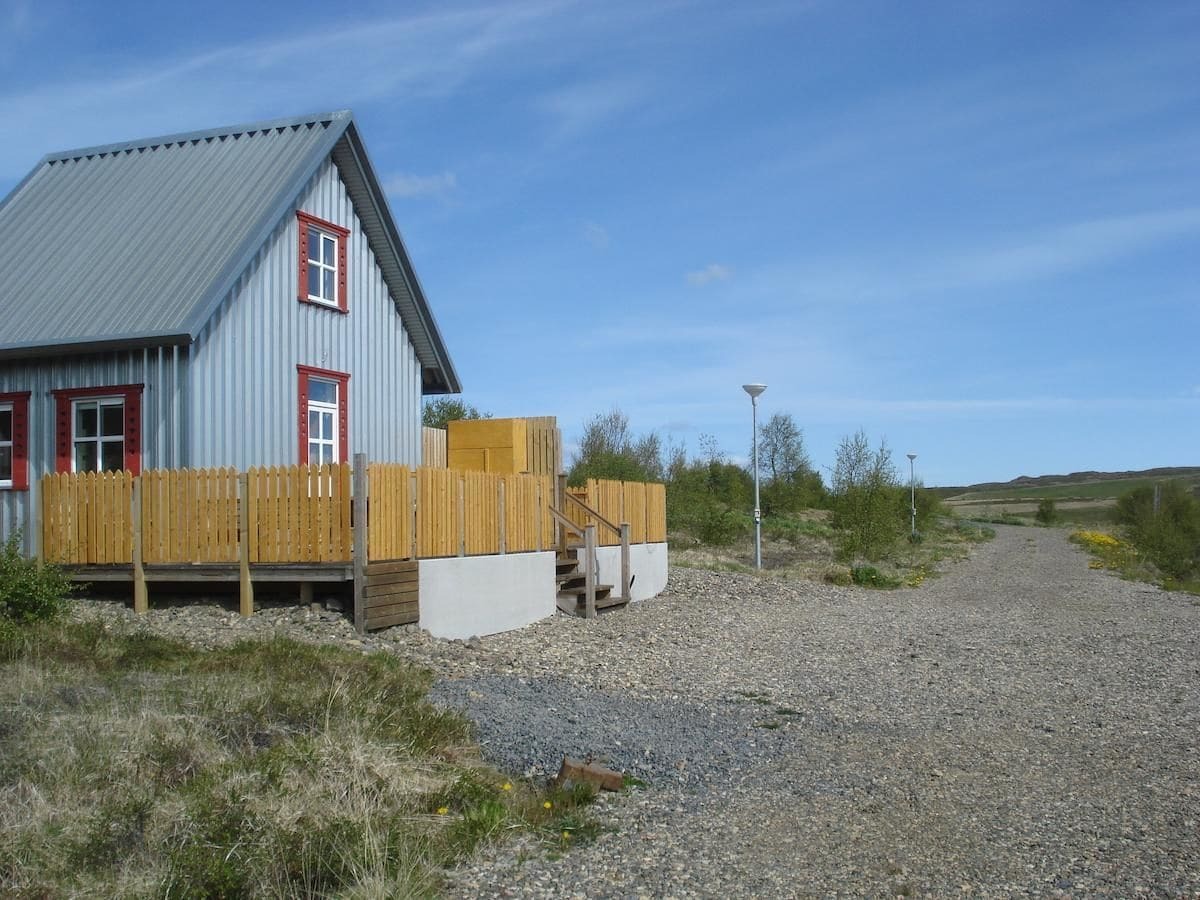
134, 766
1085, 490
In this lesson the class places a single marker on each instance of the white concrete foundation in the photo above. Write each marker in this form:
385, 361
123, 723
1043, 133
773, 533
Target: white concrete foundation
477, 595
648, 562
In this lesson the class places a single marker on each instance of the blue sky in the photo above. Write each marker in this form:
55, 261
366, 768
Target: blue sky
972, 229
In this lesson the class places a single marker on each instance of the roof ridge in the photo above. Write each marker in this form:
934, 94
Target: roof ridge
205, 134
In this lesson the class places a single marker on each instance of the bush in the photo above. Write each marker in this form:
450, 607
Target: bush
1046, 512
29, 592
1168, 536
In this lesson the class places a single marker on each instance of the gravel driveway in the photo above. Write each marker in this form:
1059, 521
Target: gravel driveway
1022, 725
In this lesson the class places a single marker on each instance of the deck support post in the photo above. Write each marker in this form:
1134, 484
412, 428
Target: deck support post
626, 584
245, 585
141, 599
589, 552
358, 506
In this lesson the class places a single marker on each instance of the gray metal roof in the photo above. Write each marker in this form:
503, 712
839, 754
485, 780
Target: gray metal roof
137, 243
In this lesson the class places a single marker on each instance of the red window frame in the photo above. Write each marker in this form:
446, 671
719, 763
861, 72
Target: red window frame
20, 439
305, 220
131, 394
342, 379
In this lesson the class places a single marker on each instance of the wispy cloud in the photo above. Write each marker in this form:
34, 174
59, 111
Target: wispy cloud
596, 235
579, 108
421, 185
422, 55
710, 273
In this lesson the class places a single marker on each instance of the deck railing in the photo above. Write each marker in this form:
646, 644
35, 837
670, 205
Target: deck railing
303, 514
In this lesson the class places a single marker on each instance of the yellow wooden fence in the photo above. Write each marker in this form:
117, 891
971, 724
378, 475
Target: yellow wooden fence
642, 505
302, 514
87, 518
429, 512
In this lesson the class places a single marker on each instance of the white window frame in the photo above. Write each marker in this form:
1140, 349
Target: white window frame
99, 439
322, 267
7, 407
323, 409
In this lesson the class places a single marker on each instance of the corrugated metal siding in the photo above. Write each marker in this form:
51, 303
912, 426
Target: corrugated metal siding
243, 376
163, 371
131, 241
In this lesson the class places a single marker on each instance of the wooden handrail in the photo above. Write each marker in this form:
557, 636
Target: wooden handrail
595, 515
564, 521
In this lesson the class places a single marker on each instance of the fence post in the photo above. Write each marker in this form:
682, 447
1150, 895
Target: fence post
557, 533
359, 514
626, 581
141, 601
539, 516
503, 524
462, 521
413, 488
245, 585
589, 552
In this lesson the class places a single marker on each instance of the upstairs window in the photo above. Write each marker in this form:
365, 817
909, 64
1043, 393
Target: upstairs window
99, 429
324, 422
14, 442
322, 256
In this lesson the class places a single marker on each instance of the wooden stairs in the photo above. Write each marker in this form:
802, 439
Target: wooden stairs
572, 587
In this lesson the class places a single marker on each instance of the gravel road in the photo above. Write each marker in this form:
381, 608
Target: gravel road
1022, 725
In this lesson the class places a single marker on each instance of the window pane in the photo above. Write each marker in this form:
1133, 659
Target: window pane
314, 280
322, 391
85, 419
314, 424
112, 456
5, 463
327, 284
112, 420
329, 247
327, 427
85, 456
314, 453
5, 424
314, 244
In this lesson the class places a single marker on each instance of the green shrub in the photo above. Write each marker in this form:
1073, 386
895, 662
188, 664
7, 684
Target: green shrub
869, 576
29, 592
1168, 536
1046, 512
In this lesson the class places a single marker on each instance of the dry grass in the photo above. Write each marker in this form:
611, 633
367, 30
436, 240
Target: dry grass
132, 766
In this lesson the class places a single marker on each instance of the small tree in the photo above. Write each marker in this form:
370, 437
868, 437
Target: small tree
868, 504
609, 449
789, 482
437, 412
1047, 514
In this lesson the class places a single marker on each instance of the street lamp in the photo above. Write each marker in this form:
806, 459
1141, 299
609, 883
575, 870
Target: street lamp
912, 493
754, 390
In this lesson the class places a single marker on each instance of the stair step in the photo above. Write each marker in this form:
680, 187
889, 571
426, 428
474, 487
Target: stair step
579, 608
581, 590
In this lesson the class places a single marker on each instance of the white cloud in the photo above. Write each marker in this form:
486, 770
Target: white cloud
421, 185
710, 273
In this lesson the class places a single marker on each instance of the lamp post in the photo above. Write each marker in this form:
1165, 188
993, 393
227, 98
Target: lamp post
912, 493
754, 390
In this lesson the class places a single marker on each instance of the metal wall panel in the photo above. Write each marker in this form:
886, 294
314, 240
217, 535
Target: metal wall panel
244, 382
163, 373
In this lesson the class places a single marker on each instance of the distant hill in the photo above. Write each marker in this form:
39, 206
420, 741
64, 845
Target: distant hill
1079, 484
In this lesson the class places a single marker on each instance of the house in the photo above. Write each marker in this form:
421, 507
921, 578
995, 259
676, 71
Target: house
232, 297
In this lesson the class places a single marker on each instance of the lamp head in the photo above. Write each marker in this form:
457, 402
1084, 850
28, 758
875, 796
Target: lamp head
911, 456
754, 389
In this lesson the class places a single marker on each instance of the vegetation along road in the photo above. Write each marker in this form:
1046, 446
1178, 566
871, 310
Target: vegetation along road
1022, 725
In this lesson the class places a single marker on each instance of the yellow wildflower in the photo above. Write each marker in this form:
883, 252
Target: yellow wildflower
507, 786
442, 810
547, 805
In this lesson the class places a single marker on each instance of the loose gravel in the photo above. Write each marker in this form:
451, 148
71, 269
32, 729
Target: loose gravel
1021, 726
